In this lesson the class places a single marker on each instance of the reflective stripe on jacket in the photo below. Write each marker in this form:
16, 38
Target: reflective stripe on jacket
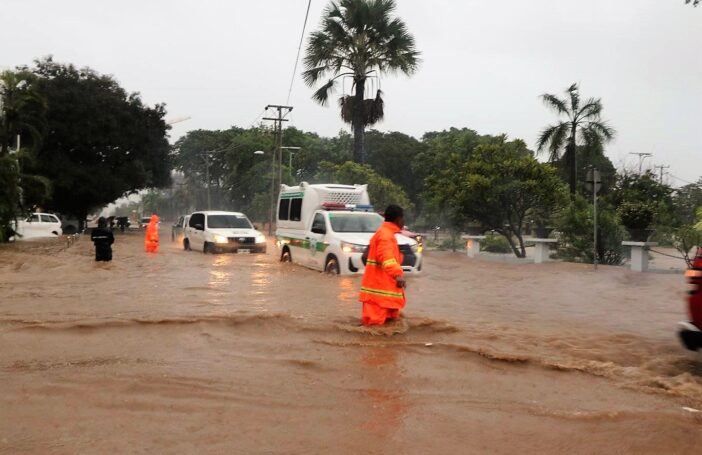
383, 266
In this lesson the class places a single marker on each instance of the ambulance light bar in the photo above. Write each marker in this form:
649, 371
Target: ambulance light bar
351, 207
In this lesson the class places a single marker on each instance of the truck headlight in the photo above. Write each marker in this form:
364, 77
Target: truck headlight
220, 239
352, 247
260, 238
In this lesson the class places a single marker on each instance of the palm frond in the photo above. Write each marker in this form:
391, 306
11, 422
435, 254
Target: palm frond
574, 98
322, 94
553, 138
312, 75
591, 110
555, 103
597, 133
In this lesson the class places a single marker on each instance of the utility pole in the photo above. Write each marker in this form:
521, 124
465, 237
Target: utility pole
661, 168
290, 155
207, 179
277, 156
642, 156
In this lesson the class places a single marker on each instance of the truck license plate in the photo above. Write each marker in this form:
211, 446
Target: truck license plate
244, 251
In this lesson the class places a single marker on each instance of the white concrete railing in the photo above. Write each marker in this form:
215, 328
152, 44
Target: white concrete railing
639, 254
542, 249
473, 244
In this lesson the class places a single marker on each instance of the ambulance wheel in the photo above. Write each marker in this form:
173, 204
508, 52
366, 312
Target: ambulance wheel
186, 244
286, 256
332, 266
207, 248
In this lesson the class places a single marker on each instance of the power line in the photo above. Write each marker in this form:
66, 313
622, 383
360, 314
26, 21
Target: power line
297, 58
256, 119
679, 179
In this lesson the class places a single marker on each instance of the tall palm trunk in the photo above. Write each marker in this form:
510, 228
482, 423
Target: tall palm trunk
359, 150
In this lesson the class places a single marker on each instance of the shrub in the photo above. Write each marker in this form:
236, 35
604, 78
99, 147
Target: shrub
576, 227
635, 215
496, 244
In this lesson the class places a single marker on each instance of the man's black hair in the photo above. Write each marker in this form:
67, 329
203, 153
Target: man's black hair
393, 212
102, 222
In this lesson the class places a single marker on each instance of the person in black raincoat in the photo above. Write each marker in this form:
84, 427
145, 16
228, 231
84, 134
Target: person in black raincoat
103, 239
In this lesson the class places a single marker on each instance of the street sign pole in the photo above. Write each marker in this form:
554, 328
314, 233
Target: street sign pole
593, 183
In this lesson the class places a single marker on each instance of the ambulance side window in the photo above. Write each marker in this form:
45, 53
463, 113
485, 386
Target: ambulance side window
283, 209
319, 226
295, 209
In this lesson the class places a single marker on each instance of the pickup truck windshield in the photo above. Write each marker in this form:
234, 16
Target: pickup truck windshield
227, 222
355, 222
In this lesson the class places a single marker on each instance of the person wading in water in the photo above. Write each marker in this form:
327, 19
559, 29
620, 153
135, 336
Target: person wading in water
103, 240
151, 236
382, 288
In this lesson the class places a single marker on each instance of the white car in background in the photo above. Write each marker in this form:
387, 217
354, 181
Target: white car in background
215, 231
38, 225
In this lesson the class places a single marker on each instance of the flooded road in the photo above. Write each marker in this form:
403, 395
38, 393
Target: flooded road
182, 352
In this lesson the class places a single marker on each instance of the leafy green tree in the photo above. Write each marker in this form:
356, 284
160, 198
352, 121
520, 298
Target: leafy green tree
687, 201
392, 155
382, 191
497, 186
102, 142
645, 190
694, 2
22, 109
9, 194
358, 39
582, 125
227, 158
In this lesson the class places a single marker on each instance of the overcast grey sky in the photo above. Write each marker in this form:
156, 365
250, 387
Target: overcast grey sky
485, 62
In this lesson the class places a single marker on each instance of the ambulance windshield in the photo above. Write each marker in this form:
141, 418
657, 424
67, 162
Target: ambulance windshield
355, 222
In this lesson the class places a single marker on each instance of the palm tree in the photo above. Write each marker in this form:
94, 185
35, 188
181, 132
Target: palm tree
358, 39
582, 126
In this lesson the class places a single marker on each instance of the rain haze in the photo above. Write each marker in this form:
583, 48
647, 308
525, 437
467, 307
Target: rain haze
484, 64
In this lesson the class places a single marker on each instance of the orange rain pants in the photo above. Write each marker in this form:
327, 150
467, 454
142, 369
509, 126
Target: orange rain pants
151, 236
376, 315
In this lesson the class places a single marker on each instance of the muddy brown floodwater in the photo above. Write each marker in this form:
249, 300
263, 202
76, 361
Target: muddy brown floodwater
182, 352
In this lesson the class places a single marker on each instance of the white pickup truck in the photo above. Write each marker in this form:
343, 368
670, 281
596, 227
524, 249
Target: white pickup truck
214, 232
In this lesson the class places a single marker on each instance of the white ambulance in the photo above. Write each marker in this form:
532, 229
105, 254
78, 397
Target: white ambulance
327, 227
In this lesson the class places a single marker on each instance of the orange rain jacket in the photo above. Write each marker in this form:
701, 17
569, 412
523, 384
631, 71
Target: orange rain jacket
151, 236
383, 267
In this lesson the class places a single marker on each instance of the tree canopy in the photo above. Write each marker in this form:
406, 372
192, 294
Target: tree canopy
101, 141
497, 186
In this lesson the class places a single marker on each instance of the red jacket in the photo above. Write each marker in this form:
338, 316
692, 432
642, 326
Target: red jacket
384, 265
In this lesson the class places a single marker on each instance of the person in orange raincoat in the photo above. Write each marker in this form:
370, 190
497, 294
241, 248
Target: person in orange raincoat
151, 236
383, 284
